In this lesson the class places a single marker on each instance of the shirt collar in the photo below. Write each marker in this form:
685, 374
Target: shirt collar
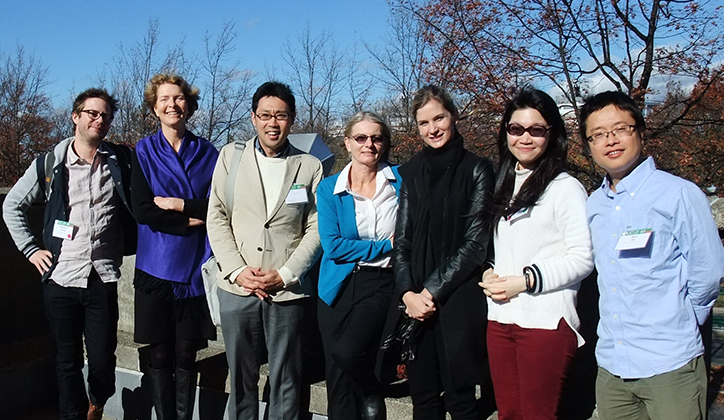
73, 159
632, 182
283, 153
342, 184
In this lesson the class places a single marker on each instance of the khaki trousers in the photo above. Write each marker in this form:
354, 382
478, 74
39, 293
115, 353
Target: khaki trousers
676, 395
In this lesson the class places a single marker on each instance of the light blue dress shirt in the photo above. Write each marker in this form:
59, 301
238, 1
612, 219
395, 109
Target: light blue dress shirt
654, 298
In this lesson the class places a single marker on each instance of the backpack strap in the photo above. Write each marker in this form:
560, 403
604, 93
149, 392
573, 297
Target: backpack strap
231, 178
44, 167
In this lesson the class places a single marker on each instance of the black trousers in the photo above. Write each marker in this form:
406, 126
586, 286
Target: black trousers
351, 332
73, 313
427, 376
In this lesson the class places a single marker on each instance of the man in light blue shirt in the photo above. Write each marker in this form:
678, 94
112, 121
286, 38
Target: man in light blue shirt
660, 262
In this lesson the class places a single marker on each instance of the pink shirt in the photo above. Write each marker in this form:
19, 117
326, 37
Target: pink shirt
93, 208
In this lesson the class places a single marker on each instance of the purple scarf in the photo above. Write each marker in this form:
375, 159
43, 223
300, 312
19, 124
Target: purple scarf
186, 174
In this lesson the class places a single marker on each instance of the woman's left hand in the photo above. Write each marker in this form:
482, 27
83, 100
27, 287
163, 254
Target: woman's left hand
195, 222
170, 203
503, 288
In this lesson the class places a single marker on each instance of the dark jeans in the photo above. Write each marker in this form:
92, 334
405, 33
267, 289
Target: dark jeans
351, 332
72, 313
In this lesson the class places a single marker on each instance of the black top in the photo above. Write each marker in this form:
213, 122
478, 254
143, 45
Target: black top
148, 213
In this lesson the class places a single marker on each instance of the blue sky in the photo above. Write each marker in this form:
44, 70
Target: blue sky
76, 39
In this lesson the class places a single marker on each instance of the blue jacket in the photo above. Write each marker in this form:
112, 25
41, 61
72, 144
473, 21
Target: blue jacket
340, 240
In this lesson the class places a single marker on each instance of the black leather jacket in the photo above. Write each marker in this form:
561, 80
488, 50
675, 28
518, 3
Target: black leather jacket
461, 315
470, 255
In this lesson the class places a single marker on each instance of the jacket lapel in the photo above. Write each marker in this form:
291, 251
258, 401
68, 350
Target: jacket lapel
249, 180
293, 166
348, 227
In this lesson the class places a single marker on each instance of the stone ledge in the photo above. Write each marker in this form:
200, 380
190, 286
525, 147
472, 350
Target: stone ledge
213, 376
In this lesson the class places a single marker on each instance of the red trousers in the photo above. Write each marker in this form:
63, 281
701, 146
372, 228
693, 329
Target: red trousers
528, 367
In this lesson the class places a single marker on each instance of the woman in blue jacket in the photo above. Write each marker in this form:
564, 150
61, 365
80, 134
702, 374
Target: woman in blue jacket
357, 211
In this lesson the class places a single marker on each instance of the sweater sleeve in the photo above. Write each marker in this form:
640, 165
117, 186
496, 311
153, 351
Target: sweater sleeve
15, 207
146, 211
196, 208
576, 262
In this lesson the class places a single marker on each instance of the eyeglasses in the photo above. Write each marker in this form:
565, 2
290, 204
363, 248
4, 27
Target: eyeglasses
362, 139
279, 116
534, 130
620, 131
94, 115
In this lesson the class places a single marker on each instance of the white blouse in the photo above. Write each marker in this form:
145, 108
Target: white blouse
375, 217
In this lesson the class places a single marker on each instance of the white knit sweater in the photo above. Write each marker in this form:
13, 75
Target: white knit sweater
272, 171
553, 238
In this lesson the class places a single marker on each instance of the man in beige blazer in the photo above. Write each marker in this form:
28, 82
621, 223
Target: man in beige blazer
264, 246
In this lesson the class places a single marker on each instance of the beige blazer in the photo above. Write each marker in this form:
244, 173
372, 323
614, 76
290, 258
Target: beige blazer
287, 238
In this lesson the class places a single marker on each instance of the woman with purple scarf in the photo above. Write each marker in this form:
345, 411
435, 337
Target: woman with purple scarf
169, 193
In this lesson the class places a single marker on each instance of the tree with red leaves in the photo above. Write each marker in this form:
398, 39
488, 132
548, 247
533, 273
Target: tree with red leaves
482, 50
693, 147
26, 114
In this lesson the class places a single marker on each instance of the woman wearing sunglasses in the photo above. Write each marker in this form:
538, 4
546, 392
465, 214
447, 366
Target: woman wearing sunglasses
169, 193
542, 252
357, 209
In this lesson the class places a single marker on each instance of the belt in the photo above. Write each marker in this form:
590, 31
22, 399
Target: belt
371, 269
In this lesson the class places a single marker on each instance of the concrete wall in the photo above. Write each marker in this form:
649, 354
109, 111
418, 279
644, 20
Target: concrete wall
27, 377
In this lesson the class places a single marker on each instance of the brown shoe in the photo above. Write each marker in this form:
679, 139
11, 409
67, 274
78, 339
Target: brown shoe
95, 412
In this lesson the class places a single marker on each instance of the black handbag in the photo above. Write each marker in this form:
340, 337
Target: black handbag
405, 336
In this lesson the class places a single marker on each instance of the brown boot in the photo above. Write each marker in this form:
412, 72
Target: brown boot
95, 412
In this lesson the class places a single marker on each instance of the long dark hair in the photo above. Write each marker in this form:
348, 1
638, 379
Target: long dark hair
549, 165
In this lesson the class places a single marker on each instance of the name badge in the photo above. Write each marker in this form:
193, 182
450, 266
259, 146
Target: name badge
633, 239
297, 194
63, 230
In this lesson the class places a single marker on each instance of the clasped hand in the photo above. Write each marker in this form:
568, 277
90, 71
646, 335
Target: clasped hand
503, 288
420, 306
262, 283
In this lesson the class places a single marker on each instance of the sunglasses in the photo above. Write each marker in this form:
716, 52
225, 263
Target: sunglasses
362, 139
534, 130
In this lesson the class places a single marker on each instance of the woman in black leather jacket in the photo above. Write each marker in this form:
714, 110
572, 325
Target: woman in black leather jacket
441, 241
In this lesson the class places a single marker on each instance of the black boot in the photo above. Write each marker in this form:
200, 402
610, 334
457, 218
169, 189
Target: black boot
185, 393
162, 393
373, 407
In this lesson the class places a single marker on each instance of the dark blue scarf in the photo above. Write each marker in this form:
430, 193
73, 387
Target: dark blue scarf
187, 175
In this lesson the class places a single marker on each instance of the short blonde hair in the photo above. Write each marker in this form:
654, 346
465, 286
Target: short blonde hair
373, 118
191, 93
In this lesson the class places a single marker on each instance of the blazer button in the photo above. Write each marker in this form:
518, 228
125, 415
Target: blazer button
259, 249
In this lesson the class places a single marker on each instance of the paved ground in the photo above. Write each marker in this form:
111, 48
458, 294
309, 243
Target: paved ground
716, 411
